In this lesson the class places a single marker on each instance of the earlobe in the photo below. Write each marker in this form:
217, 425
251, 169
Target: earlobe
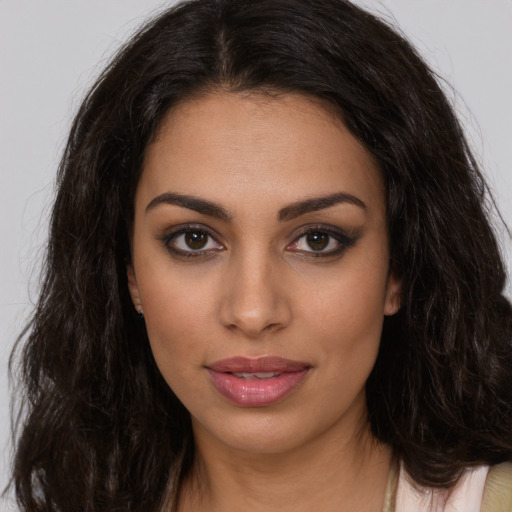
134, 289
393, 295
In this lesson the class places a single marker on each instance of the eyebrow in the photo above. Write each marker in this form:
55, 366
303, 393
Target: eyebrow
192, 203
317, 203
289, 212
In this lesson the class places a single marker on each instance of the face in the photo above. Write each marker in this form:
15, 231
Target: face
260, 261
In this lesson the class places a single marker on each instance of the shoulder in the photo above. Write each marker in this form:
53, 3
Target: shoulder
490, 486
498, 489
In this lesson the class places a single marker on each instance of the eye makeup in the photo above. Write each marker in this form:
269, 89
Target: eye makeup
191, 241
197, 241
323, 241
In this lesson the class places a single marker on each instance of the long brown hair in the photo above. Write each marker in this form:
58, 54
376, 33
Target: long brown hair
101, 430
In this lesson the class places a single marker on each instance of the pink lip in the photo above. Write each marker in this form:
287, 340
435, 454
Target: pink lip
253, 391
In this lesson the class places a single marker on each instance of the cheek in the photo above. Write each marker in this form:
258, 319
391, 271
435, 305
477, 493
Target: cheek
177, 313
349, 306
344, 319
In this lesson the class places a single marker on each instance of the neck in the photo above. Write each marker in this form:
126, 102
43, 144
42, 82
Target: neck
330, 473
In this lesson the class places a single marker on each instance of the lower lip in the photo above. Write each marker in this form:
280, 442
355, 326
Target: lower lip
256, 392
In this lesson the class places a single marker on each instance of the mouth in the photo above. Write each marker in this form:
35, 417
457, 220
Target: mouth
256, 382
256, 375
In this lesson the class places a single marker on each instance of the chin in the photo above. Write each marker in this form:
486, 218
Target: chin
255, 431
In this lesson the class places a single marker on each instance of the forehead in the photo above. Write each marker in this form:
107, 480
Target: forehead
253, 148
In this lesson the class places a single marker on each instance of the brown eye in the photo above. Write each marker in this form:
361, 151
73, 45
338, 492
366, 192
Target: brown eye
196, 240
191, 242
317, 240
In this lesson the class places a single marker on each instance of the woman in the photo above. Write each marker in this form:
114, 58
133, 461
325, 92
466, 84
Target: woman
271, 282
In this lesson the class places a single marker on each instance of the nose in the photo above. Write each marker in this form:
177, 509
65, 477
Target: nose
254, 298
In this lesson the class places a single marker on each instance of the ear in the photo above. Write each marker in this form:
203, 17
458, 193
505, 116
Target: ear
134, 289
393, 295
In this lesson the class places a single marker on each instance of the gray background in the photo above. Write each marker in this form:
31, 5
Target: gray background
51, 51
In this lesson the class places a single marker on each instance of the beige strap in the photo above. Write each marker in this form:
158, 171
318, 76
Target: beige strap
498, 489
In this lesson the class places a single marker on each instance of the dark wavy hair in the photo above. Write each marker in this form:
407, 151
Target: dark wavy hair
100, 428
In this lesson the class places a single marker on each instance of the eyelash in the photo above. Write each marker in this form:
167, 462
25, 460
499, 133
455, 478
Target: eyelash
343, 240
171, 237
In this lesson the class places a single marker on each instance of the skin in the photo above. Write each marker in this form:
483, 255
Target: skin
258, 289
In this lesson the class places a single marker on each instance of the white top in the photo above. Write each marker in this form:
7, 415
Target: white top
466, 496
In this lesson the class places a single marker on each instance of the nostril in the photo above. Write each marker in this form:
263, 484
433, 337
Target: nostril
253, 301
256, 321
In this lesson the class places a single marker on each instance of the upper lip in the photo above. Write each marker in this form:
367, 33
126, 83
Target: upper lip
259, 364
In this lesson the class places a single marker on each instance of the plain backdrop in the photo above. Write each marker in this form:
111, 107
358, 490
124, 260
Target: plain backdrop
51, 51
